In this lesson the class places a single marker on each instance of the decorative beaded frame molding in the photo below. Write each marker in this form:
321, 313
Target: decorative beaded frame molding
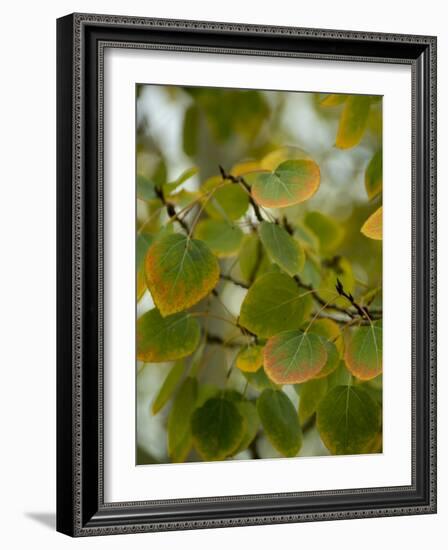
82, 38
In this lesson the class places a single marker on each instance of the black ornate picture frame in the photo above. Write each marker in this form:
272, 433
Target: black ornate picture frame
81, 40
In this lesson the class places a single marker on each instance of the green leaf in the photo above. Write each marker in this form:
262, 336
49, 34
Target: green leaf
374, 175
161, 339
280, 422
311, 394
329, 232
348, 420
373, 226
282, 248
146, 190
293, 357
180, 271
179, 421
353, 121
168, 387
218, 429
364, 352
292, 182
250, 358
169, 187
222, 238
274, 303
224, 200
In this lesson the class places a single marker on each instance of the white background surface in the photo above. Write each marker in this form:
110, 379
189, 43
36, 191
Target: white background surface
125, 482
27, 229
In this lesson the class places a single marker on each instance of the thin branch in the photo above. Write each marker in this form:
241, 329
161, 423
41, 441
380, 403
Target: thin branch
171, 210
239, 179
319, 300
214, 339
362, 312
234, 281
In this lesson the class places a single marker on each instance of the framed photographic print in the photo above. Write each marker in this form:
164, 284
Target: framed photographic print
246, 274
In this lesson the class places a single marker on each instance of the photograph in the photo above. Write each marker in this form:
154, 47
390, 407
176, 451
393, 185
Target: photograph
258, 274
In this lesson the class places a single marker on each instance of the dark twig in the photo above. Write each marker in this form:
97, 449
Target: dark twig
320, 301
171, 210
234, 281
214, 339
239, 179
362, 312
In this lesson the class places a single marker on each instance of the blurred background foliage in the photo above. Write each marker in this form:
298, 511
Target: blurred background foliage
184, 135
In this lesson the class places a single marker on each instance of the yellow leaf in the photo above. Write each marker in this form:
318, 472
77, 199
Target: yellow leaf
373, 226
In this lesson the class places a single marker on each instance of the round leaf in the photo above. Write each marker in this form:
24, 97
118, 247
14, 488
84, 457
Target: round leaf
179, 272
292, 182
282, 248
218, 428
353, 121
280, 422
374, 175
161, 339
222, 238
229, 200
294, 356
348, 420
364, 352
373, 226
274, 303
250, 359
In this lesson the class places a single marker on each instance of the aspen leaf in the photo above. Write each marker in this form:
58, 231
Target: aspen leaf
374, 175
292, 182
280, 422
224, 200
293, 357
179, 272
161, 339
373, 226
364, 351
222, 238
250, 358
274, 303
217, 428
348, 420
282, 248
353, 121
